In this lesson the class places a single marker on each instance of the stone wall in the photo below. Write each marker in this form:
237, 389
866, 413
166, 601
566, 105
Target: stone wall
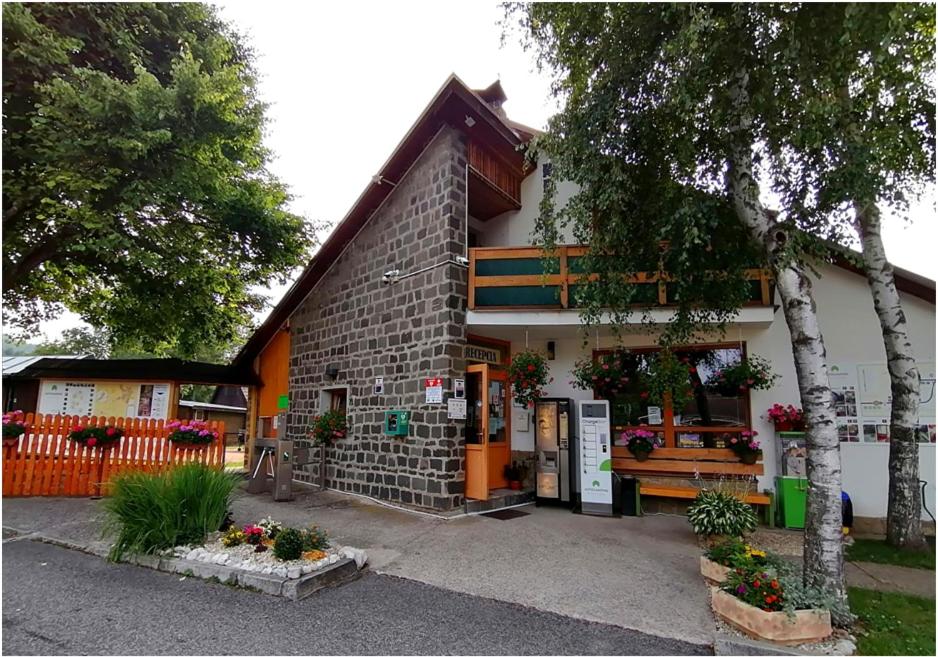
405, 332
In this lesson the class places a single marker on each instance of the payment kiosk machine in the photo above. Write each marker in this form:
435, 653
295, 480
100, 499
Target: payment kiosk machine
595, 466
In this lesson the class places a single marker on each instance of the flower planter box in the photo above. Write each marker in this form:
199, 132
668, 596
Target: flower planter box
776, 626
712, 571
190, 446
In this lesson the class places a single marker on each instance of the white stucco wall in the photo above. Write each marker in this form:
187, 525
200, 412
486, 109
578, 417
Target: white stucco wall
852, 337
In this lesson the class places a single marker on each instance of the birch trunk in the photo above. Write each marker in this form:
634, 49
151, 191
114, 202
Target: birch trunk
823, 538
903, 515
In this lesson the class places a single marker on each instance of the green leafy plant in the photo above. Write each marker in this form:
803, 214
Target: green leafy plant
667, 376
289, 544
528, 374
715, 512
330, 426
96, 436
150, 512
750, 373
314, 538
271, 527
733, 552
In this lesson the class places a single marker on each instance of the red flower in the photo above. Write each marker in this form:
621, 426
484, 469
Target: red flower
531, 368
692, 370
91, 442
774, 583
110, 431
756, 583
643, 395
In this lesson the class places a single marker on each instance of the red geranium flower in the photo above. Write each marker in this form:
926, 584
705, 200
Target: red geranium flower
91, 442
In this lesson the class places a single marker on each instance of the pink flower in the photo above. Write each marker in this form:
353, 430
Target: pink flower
91, 442
110, 431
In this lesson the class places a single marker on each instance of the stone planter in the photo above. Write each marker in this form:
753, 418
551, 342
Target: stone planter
712, 571
806, 626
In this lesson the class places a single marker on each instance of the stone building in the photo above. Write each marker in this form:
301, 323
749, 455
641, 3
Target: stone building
430, 283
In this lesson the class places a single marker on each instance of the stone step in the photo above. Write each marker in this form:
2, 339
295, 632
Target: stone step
499, 501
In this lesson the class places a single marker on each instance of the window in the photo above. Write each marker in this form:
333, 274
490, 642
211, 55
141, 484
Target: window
198, 414
334, 399
709, 419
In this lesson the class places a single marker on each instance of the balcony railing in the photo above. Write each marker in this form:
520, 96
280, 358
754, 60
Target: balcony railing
515, 278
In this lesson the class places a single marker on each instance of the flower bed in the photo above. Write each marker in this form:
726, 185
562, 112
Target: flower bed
802, 626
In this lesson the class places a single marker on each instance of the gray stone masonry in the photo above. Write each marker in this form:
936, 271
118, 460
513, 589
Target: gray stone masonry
404, 333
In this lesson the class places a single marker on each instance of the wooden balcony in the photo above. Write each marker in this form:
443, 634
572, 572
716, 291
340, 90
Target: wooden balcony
684, 462
494, 184
517, 278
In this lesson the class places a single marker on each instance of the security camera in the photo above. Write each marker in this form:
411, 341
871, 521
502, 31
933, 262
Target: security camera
462, 260
390, 276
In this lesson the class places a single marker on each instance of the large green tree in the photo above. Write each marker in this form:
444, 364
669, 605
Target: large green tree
662, 104
135, 190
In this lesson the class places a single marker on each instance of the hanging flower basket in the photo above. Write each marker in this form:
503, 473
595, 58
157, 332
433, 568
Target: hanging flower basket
667, 376
103, 437
607, 375
528, 374
191, 434
13, 428
640, 443
751, 373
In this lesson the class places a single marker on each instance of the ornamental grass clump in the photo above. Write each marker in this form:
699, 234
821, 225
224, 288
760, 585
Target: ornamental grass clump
715, 512
151, 512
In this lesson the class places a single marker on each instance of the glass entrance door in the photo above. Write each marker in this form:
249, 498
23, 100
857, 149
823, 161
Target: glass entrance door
487, 431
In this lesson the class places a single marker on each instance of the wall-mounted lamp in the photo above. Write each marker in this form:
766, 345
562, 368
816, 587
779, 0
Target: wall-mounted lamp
332, 371
551, 350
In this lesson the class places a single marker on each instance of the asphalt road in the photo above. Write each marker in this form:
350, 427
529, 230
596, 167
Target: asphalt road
58, 601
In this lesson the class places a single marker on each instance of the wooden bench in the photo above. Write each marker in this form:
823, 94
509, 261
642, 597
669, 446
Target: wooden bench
687, 493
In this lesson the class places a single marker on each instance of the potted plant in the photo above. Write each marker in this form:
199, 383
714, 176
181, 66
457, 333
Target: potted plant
13, 427
750, 373
607, 375
528, 374
191, 434
640, 443
786, 418
757, 600
746, 447
516, 473
328, 427
667, 376
103, 437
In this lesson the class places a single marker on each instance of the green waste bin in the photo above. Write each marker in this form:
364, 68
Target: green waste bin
792, 500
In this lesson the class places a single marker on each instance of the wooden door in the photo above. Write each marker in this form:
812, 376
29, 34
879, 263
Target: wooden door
487, 431
477, 486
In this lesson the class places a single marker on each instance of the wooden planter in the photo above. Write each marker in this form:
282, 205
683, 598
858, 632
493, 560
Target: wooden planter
11, 441
191, 446
776, 626
712, 571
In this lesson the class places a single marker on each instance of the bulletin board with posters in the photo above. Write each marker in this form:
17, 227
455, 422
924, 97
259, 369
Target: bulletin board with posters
863, 402
105, 398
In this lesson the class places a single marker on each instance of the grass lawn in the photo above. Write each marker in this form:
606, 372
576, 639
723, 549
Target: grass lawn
865, 549
893, 623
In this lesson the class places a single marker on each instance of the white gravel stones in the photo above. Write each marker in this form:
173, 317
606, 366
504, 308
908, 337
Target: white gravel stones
293, 572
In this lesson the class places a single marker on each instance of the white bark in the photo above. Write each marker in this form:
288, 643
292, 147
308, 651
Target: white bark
903, 515
823, 541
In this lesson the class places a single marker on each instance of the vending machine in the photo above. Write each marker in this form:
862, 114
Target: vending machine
595, 462
553, 455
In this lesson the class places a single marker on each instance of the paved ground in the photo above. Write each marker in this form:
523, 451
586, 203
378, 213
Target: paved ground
885, 577
636, 573
58, 601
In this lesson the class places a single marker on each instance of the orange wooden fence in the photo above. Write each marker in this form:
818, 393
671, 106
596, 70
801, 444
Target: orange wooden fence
45, 462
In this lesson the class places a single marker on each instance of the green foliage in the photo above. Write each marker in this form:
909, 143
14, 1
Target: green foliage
893, 623
750, 373
314, 538
667, 376
150, 512
733, 552
715, 512
798, 595
96, 436
607, 374
528, 374
865, 549
330, 426
135, 191
289, 544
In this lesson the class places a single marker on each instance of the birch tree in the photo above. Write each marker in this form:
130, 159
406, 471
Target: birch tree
854, 130
668, 101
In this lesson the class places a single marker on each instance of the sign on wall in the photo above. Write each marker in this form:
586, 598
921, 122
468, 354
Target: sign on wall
456, 409
105, 398
434, 390
483, 354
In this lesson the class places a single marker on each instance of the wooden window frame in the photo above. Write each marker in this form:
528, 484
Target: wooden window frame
668, 428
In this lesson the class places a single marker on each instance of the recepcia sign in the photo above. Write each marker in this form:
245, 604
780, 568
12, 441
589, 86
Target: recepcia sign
483, 354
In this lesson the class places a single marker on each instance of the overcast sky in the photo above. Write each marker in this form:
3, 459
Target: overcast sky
345, 81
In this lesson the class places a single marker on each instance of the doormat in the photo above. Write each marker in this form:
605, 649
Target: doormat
505, 514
